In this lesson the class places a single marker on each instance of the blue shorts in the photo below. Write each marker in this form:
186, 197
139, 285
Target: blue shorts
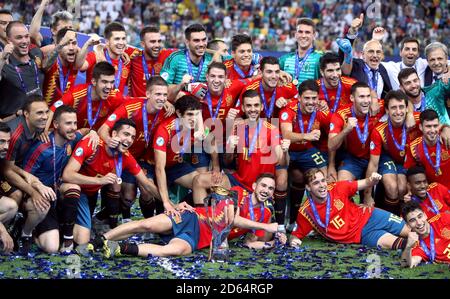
307, 159
187, 230
200, 160
84, 213
354, 165
177, 171
380, 223
148, 169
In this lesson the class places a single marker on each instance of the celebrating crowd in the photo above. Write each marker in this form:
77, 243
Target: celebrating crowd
296, 138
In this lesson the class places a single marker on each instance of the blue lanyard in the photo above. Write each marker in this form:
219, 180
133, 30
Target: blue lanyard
241, 73
145, 68
254, 138
373, 79
269, 110
338, 95
431, 253
22, 82
438, 156
210, 106
316, 214
433, 208
300, 119
185, 139
89, 108
400, 147
252, 213
299, 64
423, 103
145, 122
119, 69
362, 136
118, 164
62, 79
189, 65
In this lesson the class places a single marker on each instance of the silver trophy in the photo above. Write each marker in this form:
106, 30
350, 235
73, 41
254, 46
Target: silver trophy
222, 204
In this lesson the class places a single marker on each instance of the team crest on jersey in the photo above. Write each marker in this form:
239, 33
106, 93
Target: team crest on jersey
79, 152
160, 141
124, 73
446, 233
445, 155
164, 75
331, 126
5, 186
112, 117
229, 100
284, 116
338, 204
58, 103
372, 145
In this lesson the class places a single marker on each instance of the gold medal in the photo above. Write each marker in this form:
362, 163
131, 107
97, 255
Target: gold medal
439, 172
402, 153
119, 181
295, 82
180, 159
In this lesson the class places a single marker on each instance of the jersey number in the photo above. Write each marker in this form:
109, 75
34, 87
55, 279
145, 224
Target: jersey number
395, 218
447, 251
390, 165
318, 159
338, 222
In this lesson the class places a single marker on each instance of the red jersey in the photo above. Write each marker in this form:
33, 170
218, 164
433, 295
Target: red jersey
351, 141
347, 219
415, 155
234, 74
381, 138
92, 60
165, 140
346, 83
99, 163
287, 91
77, 99
138, 82
261, 213
441, 226
132, 109
289, 114
205, 230
440, 196
52, 87
262, 159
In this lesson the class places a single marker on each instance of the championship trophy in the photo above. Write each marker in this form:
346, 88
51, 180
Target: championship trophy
221, 206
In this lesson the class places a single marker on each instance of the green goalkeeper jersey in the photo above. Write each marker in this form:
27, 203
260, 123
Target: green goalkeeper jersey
309, 69
437, 96
177, 65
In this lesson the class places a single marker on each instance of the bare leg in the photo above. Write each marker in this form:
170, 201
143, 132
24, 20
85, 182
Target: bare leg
49, 241
176, 247
8, 209
158, 224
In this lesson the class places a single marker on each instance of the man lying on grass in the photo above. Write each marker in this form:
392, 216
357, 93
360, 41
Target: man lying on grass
330, 211
190, 232
429, 239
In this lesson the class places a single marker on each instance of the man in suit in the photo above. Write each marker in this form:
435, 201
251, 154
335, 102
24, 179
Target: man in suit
368, 69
